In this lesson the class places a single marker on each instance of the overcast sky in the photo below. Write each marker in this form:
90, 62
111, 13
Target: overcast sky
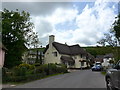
81, 23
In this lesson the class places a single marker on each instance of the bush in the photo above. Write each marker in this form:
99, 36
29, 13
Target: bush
19, 71
26, 72
23, 70
61, 70
51, 68
37, 64
29, 72
4, 74
42, 68
4, 71
27, 66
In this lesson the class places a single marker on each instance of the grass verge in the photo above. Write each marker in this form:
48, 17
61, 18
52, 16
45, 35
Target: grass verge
103, 72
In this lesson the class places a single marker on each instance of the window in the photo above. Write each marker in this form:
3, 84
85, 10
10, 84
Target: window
54, 54
81, 55
75, 57
63, 62
70, 64
82, 63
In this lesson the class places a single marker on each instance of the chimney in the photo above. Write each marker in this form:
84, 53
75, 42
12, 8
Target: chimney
51, 39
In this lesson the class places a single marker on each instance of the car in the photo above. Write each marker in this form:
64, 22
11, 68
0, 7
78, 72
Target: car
98, 63
112, 77
96, 68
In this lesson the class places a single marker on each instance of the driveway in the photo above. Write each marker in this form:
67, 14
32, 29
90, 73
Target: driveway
76, 79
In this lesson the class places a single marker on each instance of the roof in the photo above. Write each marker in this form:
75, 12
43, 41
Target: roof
99, 60
110, 55
100, 56
90, 56
47, 46
62, 48
69, 59
69, 50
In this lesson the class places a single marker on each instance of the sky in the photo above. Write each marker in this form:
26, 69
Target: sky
82, 23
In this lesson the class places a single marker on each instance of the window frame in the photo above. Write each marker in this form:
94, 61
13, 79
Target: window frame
54, 54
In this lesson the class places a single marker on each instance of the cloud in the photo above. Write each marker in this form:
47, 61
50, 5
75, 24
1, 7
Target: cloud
90, 22
45, 25
36, 8
43, 28
93, 22
62, 15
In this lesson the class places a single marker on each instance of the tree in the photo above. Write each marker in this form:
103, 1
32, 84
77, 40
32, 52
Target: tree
16, 35
113, 38
116, 28
109, 39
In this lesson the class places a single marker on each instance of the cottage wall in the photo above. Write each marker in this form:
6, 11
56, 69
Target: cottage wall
50, 58
78, 60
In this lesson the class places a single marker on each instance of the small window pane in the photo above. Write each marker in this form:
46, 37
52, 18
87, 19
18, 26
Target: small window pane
54, 54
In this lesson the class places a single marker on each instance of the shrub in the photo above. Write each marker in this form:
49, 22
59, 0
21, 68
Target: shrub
4, 71
19, 71
37, 64
23, 69
42, 68
4, 74
61, 70
31, 67
26, 72
27, 66
24, 65
52, 68
29, 72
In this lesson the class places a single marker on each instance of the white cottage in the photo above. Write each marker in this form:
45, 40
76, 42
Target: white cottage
107, 58
73, 56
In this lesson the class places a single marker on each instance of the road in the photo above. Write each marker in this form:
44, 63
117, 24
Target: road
76, 79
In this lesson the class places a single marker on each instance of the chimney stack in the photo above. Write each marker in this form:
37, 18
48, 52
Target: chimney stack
51, 39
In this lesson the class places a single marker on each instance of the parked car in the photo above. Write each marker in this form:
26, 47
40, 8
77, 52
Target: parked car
98, 63
113, 77
96, 68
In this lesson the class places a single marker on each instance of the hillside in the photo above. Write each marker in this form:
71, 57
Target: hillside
104, 50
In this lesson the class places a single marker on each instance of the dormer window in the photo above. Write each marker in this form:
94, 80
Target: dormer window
54, 54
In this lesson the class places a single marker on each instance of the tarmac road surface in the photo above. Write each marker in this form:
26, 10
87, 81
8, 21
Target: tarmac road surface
75, 79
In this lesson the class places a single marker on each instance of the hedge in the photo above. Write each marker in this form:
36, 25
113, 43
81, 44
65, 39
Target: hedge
26, 72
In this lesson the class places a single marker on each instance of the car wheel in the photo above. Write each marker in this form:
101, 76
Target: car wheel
109, 84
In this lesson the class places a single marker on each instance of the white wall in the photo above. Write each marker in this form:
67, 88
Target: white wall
106, 62
78, 60
50, 58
